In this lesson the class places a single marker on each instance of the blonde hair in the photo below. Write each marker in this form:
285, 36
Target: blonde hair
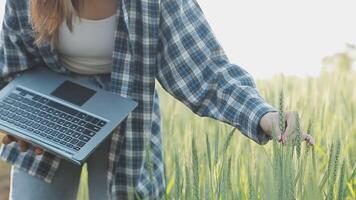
48, 15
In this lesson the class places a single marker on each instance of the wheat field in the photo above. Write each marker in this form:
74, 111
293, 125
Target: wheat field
207, 159
227, 165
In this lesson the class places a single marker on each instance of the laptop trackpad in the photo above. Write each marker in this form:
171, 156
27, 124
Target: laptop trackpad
73, 92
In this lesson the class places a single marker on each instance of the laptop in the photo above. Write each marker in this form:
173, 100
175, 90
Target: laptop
63, 115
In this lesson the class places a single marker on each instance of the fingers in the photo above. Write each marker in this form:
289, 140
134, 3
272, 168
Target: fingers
291, 126
288, 136
38, 151
291, 130
279, 137
23, 145
7, 139
276, 132
308, 138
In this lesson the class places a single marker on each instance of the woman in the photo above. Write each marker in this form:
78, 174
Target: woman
124, 46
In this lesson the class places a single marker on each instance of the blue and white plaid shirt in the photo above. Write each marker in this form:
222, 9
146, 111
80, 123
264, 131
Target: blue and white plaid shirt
169, 41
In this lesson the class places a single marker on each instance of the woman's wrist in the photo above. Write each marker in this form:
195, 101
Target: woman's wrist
265, 122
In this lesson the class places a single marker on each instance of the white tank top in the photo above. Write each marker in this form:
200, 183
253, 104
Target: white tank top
89, 48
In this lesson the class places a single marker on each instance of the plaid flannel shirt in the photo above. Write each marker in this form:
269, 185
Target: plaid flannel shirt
169, 41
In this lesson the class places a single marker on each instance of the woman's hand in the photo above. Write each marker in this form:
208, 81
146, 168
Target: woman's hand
23, 145
270, 121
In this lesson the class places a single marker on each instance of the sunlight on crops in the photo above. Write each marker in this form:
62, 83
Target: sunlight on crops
247, 170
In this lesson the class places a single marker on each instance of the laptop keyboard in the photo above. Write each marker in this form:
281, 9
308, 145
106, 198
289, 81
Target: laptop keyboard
48, 119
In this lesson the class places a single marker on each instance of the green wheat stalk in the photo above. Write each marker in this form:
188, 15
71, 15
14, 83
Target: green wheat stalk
216, 146
177, 177
298, 139
187, 184
227, 140
332, 179
328, 169
208, 151
195, 163
282, 125
341, 193
252, 191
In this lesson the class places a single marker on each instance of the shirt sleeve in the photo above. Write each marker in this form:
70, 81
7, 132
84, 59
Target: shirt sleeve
193, 67
16, 55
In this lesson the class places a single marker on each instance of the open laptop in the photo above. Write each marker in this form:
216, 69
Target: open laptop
65, 116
